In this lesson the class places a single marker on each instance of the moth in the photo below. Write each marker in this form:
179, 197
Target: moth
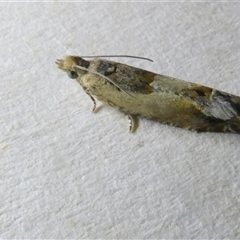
138, 92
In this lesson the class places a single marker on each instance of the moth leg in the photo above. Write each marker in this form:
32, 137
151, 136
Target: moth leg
94, 101
133, 123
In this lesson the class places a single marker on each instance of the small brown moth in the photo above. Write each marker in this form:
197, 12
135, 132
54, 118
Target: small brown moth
138, 92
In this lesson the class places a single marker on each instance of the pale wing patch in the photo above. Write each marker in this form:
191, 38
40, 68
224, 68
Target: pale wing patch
168, 84
219, 107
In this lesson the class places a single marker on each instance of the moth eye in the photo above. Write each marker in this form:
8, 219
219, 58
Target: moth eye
72, 74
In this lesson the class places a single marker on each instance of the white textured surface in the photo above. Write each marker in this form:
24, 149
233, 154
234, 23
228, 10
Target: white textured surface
68, 173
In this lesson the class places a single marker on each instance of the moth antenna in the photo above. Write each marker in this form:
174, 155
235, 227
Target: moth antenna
127, 56
101, 75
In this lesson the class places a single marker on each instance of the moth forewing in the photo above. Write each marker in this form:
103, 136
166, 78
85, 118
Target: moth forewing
138, 92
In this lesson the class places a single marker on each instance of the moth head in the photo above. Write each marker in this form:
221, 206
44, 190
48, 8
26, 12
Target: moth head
74, 66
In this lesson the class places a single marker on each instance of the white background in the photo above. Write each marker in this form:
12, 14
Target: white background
68, 173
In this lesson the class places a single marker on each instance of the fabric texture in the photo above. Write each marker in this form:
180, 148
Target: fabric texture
69, 173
